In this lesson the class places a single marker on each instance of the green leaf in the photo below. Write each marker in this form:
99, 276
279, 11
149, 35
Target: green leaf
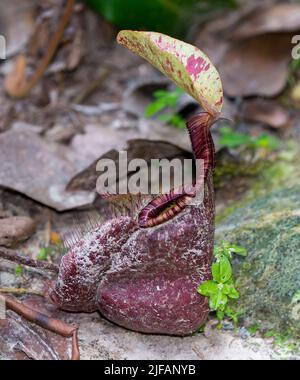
221, 290
201, 329
165, 118
231, 314
234, 294
266, 141
208, 288
296, 297
19, 270
187, 66
230, 291
160, 94
221, 270
270, 334
169, 98
220, 315
43, 254
253, 329
231, 139
218, 301
166, 99
218, 250
241, 251
178, 121
154, 108
215, 269
175, 17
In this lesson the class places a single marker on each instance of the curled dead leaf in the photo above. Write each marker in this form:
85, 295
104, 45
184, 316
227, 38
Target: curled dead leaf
265, 111
137, 148
16, 23
252, 47
17, 85
22, 340
257, 66
38, 170
15, 229
284, 17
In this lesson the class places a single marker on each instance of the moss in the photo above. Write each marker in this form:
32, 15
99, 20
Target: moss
269, 277
226, 212
225, 171
267, 222
278, 171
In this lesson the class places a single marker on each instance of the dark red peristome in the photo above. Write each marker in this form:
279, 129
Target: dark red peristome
163, 208
146, 279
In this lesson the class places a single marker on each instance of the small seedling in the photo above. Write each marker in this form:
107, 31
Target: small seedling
166, 101
283, 341
221, 289
54, 248
230, 139
19, 270
199, 330
253, 329
43, 254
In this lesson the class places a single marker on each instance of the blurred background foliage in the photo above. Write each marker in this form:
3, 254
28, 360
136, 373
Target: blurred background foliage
174, 17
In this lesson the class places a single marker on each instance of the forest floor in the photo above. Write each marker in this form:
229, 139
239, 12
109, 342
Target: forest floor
92, 100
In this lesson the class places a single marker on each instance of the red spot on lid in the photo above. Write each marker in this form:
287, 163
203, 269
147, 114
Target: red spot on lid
195, 66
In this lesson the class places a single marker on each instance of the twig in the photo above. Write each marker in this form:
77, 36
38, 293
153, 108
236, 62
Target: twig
21, 291
48, 323
16, 257
16, 84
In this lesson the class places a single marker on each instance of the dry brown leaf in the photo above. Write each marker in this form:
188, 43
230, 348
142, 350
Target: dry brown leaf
139, 148
256, 66
21, 340
49, 31
16, 23
271, 19
213, 35
265, 111
252, 47
38, 170
15, 229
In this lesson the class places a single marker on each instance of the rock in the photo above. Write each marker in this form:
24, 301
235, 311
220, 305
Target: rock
227, 326
269, 227
61, 133
15, 229
21, 126
9, 280
243, 333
